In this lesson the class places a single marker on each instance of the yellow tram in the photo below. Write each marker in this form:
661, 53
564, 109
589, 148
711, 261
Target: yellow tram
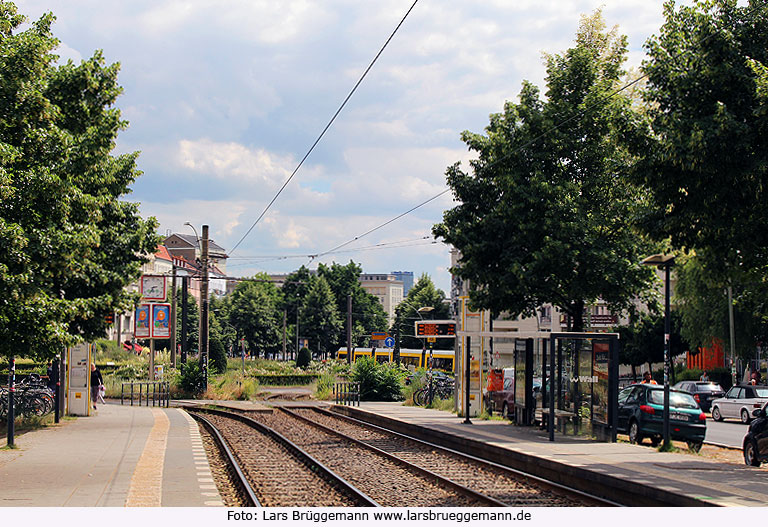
411, 358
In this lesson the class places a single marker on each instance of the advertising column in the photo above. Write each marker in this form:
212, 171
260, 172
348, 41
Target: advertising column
79, 378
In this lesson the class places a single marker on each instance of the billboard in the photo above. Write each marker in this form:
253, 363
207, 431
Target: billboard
161, 321
141, 327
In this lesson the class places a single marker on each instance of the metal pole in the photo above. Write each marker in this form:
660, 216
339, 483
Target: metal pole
184, 317
349, 329
552, 366
285, 331
11, 390
297, 327
667, 331
732, 335
204, 309
466, 383
152, 359
173, 317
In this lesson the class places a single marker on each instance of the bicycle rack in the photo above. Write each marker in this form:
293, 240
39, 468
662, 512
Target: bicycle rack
347, 393
160, 396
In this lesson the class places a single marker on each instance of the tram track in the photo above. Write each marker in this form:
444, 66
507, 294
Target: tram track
506, 486
279, 473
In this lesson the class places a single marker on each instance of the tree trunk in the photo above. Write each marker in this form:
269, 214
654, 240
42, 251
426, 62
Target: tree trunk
577, 314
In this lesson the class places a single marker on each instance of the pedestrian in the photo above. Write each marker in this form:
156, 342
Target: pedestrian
96, 383
704, 376
647, 379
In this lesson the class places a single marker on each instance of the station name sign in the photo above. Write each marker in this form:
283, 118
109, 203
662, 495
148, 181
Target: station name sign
436, 328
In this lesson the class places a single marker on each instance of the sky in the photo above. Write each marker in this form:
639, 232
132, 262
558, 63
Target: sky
225, 97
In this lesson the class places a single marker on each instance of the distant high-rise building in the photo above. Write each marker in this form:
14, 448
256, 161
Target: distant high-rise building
385, 287
406, 277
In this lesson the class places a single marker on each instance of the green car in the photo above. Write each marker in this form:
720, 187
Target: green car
641, 415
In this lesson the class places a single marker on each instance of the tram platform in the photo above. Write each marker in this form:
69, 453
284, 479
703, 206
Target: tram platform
123, 456
619, 471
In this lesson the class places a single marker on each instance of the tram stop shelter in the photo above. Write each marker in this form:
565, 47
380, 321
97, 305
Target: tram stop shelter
564, 382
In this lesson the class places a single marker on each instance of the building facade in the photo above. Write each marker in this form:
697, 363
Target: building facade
387, 288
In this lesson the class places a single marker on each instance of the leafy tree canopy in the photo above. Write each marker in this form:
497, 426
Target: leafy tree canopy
68, 244
706, 160
546, 216
254, 314
320, 318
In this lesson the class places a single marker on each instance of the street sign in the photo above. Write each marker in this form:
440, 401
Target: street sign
436, 328
389, 342
378, 335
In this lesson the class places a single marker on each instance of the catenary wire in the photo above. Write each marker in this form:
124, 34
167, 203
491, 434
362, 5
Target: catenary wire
520, 148
327, 126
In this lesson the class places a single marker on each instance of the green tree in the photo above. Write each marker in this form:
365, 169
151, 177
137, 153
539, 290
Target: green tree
701, 298
422, 294
255, 315
705, 162
546, 216
293, 293
320, 318
68, 244
367, 312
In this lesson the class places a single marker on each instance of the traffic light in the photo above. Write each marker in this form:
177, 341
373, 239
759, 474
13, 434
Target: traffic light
110, 319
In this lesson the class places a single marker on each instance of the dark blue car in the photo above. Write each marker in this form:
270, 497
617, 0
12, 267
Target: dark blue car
641, 415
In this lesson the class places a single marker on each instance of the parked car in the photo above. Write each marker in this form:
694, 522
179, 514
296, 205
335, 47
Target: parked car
704, 392
739, 403
641, 415
755, 445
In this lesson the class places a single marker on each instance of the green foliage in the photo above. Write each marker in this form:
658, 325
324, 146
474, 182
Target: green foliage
422, 294
321, 322
304, 358
705, 162
217, 356
191, 379
253, 313
546, 216
642, 342
132, 372
378, 382
68, 244
324, 388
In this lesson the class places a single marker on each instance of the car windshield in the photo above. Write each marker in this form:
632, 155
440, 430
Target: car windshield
676, 399
709, 387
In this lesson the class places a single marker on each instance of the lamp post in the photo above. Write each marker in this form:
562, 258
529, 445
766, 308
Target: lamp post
665, 262
203, 341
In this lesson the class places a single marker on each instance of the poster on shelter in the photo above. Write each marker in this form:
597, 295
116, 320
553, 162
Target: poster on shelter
161, 318
141, 327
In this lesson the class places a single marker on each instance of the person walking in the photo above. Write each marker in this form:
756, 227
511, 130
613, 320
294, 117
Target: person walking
96, 383
704, 376
647, 379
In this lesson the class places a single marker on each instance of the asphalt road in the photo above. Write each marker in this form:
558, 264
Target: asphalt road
729, 432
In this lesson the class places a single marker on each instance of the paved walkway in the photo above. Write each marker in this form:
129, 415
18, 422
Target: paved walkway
678, 473
122, 456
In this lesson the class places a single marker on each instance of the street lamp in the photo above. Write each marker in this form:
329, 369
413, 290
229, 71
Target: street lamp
665, 262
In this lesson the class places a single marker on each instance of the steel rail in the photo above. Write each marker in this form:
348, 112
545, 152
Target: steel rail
551, 485
301, 455
440, 480
241, 480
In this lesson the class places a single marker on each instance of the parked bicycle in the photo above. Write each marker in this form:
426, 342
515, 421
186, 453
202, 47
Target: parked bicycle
437, 387
31, 398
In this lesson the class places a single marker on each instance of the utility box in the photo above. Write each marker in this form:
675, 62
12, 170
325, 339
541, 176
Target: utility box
79, 380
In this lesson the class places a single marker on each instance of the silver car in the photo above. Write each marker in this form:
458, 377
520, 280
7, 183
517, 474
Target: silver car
739, 403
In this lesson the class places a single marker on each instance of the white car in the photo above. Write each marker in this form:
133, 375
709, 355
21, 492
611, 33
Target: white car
739, 403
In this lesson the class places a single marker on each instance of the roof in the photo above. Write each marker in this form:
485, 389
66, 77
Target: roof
162, 253
193, 241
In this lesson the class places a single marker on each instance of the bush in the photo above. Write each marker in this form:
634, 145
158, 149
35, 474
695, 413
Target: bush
191, 379
304, 358
217, 358
378, 382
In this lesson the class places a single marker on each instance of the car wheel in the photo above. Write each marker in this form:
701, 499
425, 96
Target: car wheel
634, 433
751, 456
695, 446
655, 440
716, 414
745, 417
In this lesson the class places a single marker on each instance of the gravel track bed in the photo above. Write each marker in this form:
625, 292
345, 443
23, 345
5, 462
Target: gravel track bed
496, 483
230, 496
385, 481
277, 477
